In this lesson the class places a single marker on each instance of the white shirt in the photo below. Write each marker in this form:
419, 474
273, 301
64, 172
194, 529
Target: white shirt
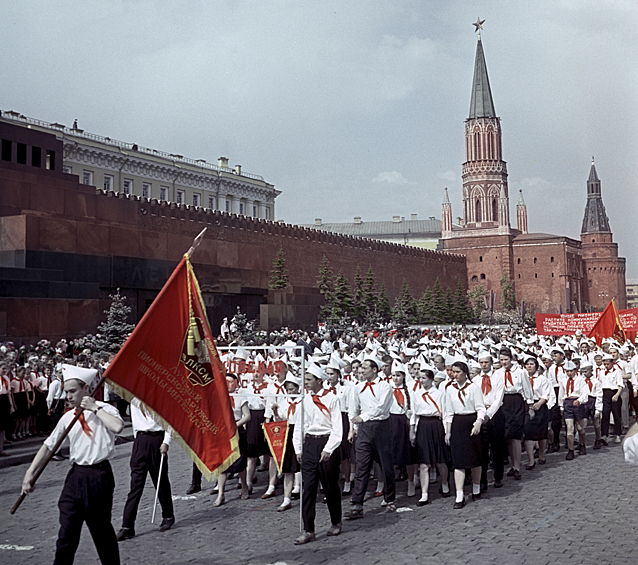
84, 449
543, 390
56, 392
371, 400
320, 422
595, 389
397, 408
142, 422
580, 390
494, 398
427, 403
236, 402
467, 399
630, 447
611, 379
554, 373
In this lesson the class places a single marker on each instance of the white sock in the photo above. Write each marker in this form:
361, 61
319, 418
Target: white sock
459, 496
270, 489
351, 477
286, 501
445, 488
346, 485
295, 489
379, 486
424, 495
476, 489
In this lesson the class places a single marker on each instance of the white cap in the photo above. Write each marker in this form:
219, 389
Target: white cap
290, 378
397, 367
317, 371
70, 372
484, 355
585, 364
569, 366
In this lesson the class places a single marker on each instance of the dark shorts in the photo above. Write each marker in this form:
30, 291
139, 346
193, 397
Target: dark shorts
570, 412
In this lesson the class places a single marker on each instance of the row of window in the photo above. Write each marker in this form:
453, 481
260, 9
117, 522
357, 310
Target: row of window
180, 197
39, 158
518, 261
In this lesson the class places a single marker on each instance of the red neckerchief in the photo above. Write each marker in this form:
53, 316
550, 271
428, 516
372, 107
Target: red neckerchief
368, 385
317, 400
589, 383
508, 377
427, 398
279, 388
85, 426
570, 383
292, 408
331, 389
417, 384
531, 380
486, 384
398, 394
461, 390
447, 384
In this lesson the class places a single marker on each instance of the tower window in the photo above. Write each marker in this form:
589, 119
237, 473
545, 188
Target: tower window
519, 275
518, 261
589, 284
478, 211
534, 260
535, 275
481, 259
551, 259
494, 211
552, 275
482, 276
474, 279
593, 241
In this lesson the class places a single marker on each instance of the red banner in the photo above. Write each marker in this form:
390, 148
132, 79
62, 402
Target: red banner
567, 324
608, 325
171, 364
277, 437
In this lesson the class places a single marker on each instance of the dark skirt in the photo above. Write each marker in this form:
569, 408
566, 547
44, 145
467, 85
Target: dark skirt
5, 412
514, 414
430, 441
536, 428
290, 463
240, 465
465, 448
20, 398
344, 448
400, 426
257, 445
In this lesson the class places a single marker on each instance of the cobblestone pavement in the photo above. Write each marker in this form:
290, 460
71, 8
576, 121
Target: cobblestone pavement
567, 512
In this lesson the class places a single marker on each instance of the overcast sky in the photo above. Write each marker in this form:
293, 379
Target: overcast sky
350, 107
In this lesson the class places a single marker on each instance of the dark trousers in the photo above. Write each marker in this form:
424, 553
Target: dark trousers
374, 438
196, 477
312, 471
493, 436
610, 407
633, 401
556, 419
146, 459
87, 496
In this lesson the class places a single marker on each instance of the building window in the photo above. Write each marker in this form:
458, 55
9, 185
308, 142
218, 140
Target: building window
36, 157
87, 177
482, 276
518, 261
22, 154
180, 197
196, 200
211, 202
108, 182
478, 212
146, 190
593, 241
551, 259
481, 259
254, 211
535, 275
127, 186
474, 279
494, 211
241, 207
534, 260
68, 170
227, 206
552, 275
49, 161
163, 193
267, 213
519, 275
588, 283
6, 149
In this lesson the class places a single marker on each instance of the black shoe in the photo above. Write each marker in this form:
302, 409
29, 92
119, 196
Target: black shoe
556, 447
125, 533
193, 489
444, 494
582, 450
510, 473
402, 477
294, 496
517, 475
542, 461
570, 455
423, 502
597, 444
498, 484
458, 505
550, 448
476, 496
167, 524
603, 442
530, 467
483, 487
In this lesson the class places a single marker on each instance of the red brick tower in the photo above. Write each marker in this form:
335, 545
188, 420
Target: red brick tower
605, 270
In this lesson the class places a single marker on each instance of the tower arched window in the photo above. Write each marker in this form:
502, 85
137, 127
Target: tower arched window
494, 210
477, 146
479, 216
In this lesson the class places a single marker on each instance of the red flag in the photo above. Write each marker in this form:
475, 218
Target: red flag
277, 437
171, 364
608, 325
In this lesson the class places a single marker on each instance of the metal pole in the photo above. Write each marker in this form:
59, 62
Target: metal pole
159, 478
303, 395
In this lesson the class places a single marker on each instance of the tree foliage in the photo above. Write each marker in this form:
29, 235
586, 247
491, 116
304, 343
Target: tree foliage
508, 300
112, 334
279, 273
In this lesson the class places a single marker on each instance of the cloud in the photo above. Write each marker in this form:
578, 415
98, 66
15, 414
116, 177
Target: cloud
392, 177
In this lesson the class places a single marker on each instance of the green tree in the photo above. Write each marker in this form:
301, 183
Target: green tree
325, 284
462, 313
279, 273
370, 314
112, 334
508, 301
403, 311
439, 303
475, 297
424, 307
450, 306
383, 304
358, 306
342, 305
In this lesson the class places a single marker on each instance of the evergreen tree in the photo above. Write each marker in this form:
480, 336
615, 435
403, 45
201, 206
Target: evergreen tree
462, 311
403, 311
450, 310
342, 305
369, 293
383, 304
114, 332
358, 306
424, 307
279, 273
475, 297
242, 330
325, 284
508, 301
439, 303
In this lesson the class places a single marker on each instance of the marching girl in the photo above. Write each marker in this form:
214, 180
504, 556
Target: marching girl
594, 406
257, 445
464, 411
427, 433
400, 414
19, 386
6, 404
537, 421
242, 416
342, 391
287, 408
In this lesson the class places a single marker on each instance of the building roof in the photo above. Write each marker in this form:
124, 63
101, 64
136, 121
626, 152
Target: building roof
424, 228
595, 219
540, 236
481, 104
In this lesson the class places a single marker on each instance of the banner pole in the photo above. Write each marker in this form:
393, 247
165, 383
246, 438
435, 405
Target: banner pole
303, 396
159, 478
